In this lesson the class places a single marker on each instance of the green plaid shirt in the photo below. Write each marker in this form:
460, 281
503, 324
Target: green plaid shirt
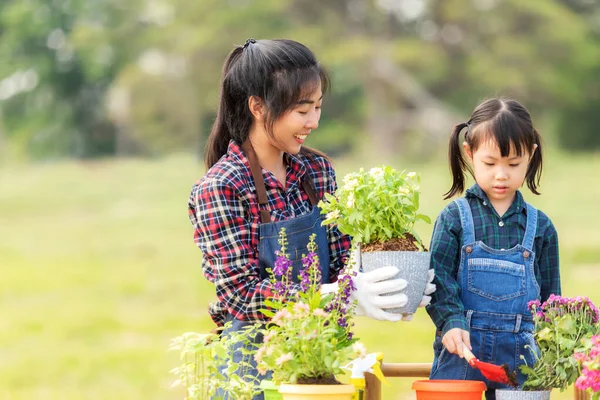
446, 308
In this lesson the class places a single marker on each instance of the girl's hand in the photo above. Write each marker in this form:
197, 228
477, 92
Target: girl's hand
454, 340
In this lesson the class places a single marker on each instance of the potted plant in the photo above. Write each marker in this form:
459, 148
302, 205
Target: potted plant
309, 338
206, 370
589, 359
379, 209
560, 323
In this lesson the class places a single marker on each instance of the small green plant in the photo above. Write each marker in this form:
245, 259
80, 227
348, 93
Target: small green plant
376, 205
561, 323
208, 369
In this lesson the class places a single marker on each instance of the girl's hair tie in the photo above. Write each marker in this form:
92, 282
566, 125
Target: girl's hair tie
248, 41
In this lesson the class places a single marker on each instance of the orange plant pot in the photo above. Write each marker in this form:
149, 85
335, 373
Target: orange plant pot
448, 389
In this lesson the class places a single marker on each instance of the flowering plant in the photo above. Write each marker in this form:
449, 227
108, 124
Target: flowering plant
560, 325
589, 359
309, 337
376, 206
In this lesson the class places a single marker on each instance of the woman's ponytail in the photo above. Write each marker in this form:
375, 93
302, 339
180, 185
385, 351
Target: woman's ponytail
457, 162
218, 140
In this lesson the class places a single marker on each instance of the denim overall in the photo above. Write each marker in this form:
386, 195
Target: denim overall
496, 286
298, 231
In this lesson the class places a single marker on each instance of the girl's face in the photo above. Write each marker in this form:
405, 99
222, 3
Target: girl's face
293, 127
499, 177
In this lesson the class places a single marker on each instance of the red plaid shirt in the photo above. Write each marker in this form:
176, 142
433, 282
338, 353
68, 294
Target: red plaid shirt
223, 208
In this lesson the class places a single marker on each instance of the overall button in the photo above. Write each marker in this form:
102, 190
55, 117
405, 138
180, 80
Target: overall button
468, 249
501, 223
526, 254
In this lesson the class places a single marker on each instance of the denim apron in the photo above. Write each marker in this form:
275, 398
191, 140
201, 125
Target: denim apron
298, 231
496, 286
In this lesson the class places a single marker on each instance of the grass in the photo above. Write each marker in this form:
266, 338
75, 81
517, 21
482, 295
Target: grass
99, 272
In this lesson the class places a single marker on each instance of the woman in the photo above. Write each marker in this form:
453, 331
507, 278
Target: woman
261, 178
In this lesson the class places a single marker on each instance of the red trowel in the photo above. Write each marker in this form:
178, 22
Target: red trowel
496, 373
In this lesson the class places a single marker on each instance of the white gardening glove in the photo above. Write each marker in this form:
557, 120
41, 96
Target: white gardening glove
429, 289
374, 293
371, 288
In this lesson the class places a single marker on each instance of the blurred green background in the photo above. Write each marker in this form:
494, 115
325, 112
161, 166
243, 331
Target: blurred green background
104, 109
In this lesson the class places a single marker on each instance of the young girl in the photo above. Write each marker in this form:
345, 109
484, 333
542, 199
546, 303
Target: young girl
261, 178
491, 251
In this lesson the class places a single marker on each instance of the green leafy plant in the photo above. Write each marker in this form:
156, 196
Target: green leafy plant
376, 205
309, 338
560, 325
207, 368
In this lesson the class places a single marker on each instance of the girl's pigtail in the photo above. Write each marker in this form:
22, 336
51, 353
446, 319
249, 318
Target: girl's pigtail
534, 172
457, 162
218, 140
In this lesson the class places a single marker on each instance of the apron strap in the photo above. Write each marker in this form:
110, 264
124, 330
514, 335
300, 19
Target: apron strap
308, 189
259, 183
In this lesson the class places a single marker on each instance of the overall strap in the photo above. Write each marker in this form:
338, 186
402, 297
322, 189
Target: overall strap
466, 220
532, 217
259, 182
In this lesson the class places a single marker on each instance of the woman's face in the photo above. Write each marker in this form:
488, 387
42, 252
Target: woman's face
293, 127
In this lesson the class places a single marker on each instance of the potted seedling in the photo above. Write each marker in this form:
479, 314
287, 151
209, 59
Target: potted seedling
379, 209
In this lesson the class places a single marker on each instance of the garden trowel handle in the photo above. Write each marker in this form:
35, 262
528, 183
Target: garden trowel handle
469, 356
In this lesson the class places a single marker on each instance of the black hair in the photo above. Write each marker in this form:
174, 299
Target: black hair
508, 124
280, 72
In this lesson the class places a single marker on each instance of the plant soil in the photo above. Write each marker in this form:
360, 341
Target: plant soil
408, 243
328, 380
511, 375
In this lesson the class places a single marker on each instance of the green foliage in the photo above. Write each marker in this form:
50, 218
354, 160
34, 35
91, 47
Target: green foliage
377, 205
204, 355
199, 372
68, 47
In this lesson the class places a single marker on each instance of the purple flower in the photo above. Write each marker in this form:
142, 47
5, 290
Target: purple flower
534, 305
282, 272
310, 275
282, 265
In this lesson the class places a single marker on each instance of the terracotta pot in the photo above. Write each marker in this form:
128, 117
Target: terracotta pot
449, 389
507, 394
316, 392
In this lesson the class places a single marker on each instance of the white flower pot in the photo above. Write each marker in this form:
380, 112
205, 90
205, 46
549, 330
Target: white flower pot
508, 394
413, 266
